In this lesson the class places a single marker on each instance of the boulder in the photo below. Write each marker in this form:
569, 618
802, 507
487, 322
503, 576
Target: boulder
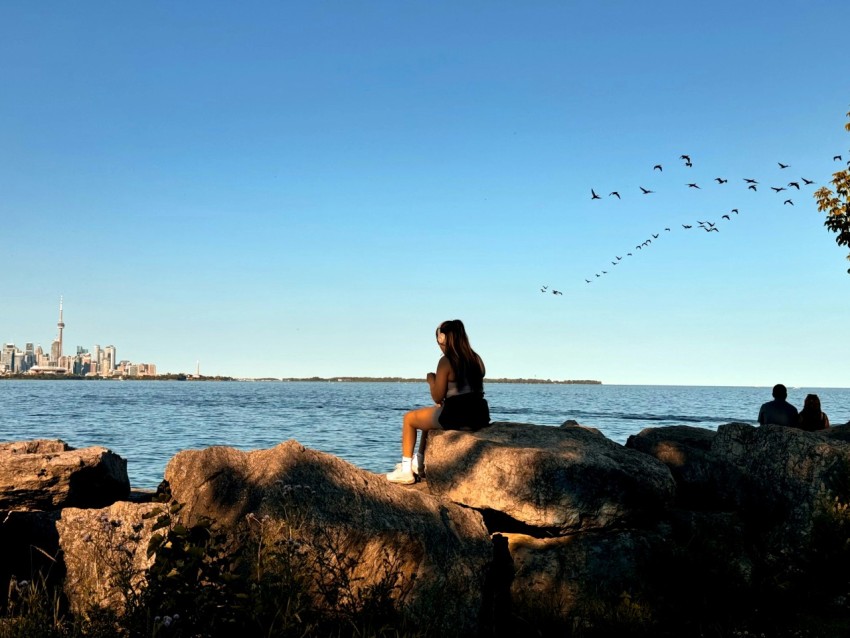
674, 573
105, 553
353, 524
579, 580
785, 479
686, 451
557, 480
48, 475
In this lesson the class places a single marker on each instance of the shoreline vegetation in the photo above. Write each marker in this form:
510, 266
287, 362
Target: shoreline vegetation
187, 377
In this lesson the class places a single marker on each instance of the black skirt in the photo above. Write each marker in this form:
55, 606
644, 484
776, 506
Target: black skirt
468, 411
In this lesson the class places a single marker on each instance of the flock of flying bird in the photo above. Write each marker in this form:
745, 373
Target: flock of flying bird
707, 226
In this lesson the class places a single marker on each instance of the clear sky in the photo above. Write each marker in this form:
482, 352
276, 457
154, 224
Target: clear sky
309, 188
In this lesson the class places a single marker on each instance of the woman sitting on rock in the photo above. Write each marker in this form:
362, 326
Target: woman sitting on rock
457, 388
811, 417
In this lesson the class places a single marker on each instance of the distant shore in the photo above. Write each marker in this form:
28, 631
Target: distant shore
185, 377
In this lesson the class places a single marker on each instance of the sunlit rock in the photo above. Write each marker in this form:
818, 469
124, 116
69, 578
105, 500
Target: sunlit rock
435, 553
47, 475
559, 480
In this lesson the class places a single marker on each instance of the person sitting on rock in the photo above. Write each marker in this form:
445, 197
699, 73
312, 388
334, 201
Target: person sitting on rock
811, 418
779, 411
457, 389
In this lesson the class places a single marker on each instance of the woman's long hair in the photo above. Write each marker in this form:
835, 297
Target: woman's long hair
466, 364
811, 417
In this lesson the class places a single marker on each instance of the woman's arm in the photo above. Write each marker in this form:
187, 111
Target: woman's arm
439, 382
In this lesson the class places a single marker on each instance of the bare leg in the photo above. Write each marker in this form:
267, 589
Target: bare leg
422, 419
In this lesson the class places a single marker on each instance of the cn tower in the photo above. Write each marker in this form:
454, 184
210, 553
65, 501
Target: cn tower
61, 325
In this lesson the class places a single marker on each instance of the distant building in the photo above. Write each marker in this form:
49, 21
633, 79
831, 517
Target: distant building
7, 359
102, 362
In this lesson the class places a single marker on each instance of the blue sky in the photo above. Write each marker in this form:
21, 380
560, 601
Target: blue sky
309, 188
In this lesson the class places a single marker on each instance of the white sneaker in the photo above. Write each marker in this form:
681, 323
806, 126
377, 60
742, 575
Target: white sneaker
398, 475
418, 465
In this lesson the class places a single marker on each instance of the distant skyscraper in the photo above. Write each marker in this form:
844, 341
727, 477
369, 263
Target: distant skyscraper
56, 347
109, 359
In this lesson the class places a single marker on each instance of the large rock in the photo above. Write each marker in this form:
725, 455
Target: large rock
686, 451
351, 522
785, 479
48, 475
675, 573
105, 554
579, 580
558, 480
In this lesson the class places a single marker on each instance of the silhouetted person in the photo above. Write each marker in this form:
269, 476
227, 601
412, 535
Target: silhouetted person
779, 411
811, 417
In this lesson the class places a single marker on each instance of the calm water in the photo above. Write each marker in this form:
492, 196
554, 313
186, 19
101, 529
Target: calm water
147, 422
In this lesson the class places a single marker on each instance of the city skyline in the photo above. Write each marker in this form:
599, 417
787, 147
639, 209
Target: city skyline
102, 362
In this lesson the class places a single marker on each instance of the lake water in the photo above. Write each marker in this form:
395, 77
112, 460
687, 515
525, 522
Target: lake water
147, 422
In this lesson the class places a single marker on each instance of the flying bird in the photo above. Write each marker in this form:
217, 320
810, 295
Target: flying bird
720, 180
587, 280
614, 193
752, 187
837, 158
807, 181
788, 201
667, 229
657, 167
686, 226
750, 181
645, 191
557, 292
688, 164
708, 230
687, 158
594, 195
794, 184
693, 186
727, 217
777, 189
618, 258
734, 210
781, 165
654, 236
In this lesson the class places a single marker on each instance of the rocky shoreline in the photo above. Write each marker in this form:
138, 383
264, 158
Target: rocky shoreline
517, 528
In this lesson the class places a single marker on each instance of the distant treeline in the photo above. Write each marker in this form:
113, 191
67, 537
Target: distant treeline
420, 380
184, 377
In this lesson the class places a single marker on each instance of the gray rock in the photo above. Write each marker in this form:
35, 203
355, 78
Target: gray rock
581, 580
105, 553
436, 552
559, 480
624, 581
784, 478
686, 451
47, 475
